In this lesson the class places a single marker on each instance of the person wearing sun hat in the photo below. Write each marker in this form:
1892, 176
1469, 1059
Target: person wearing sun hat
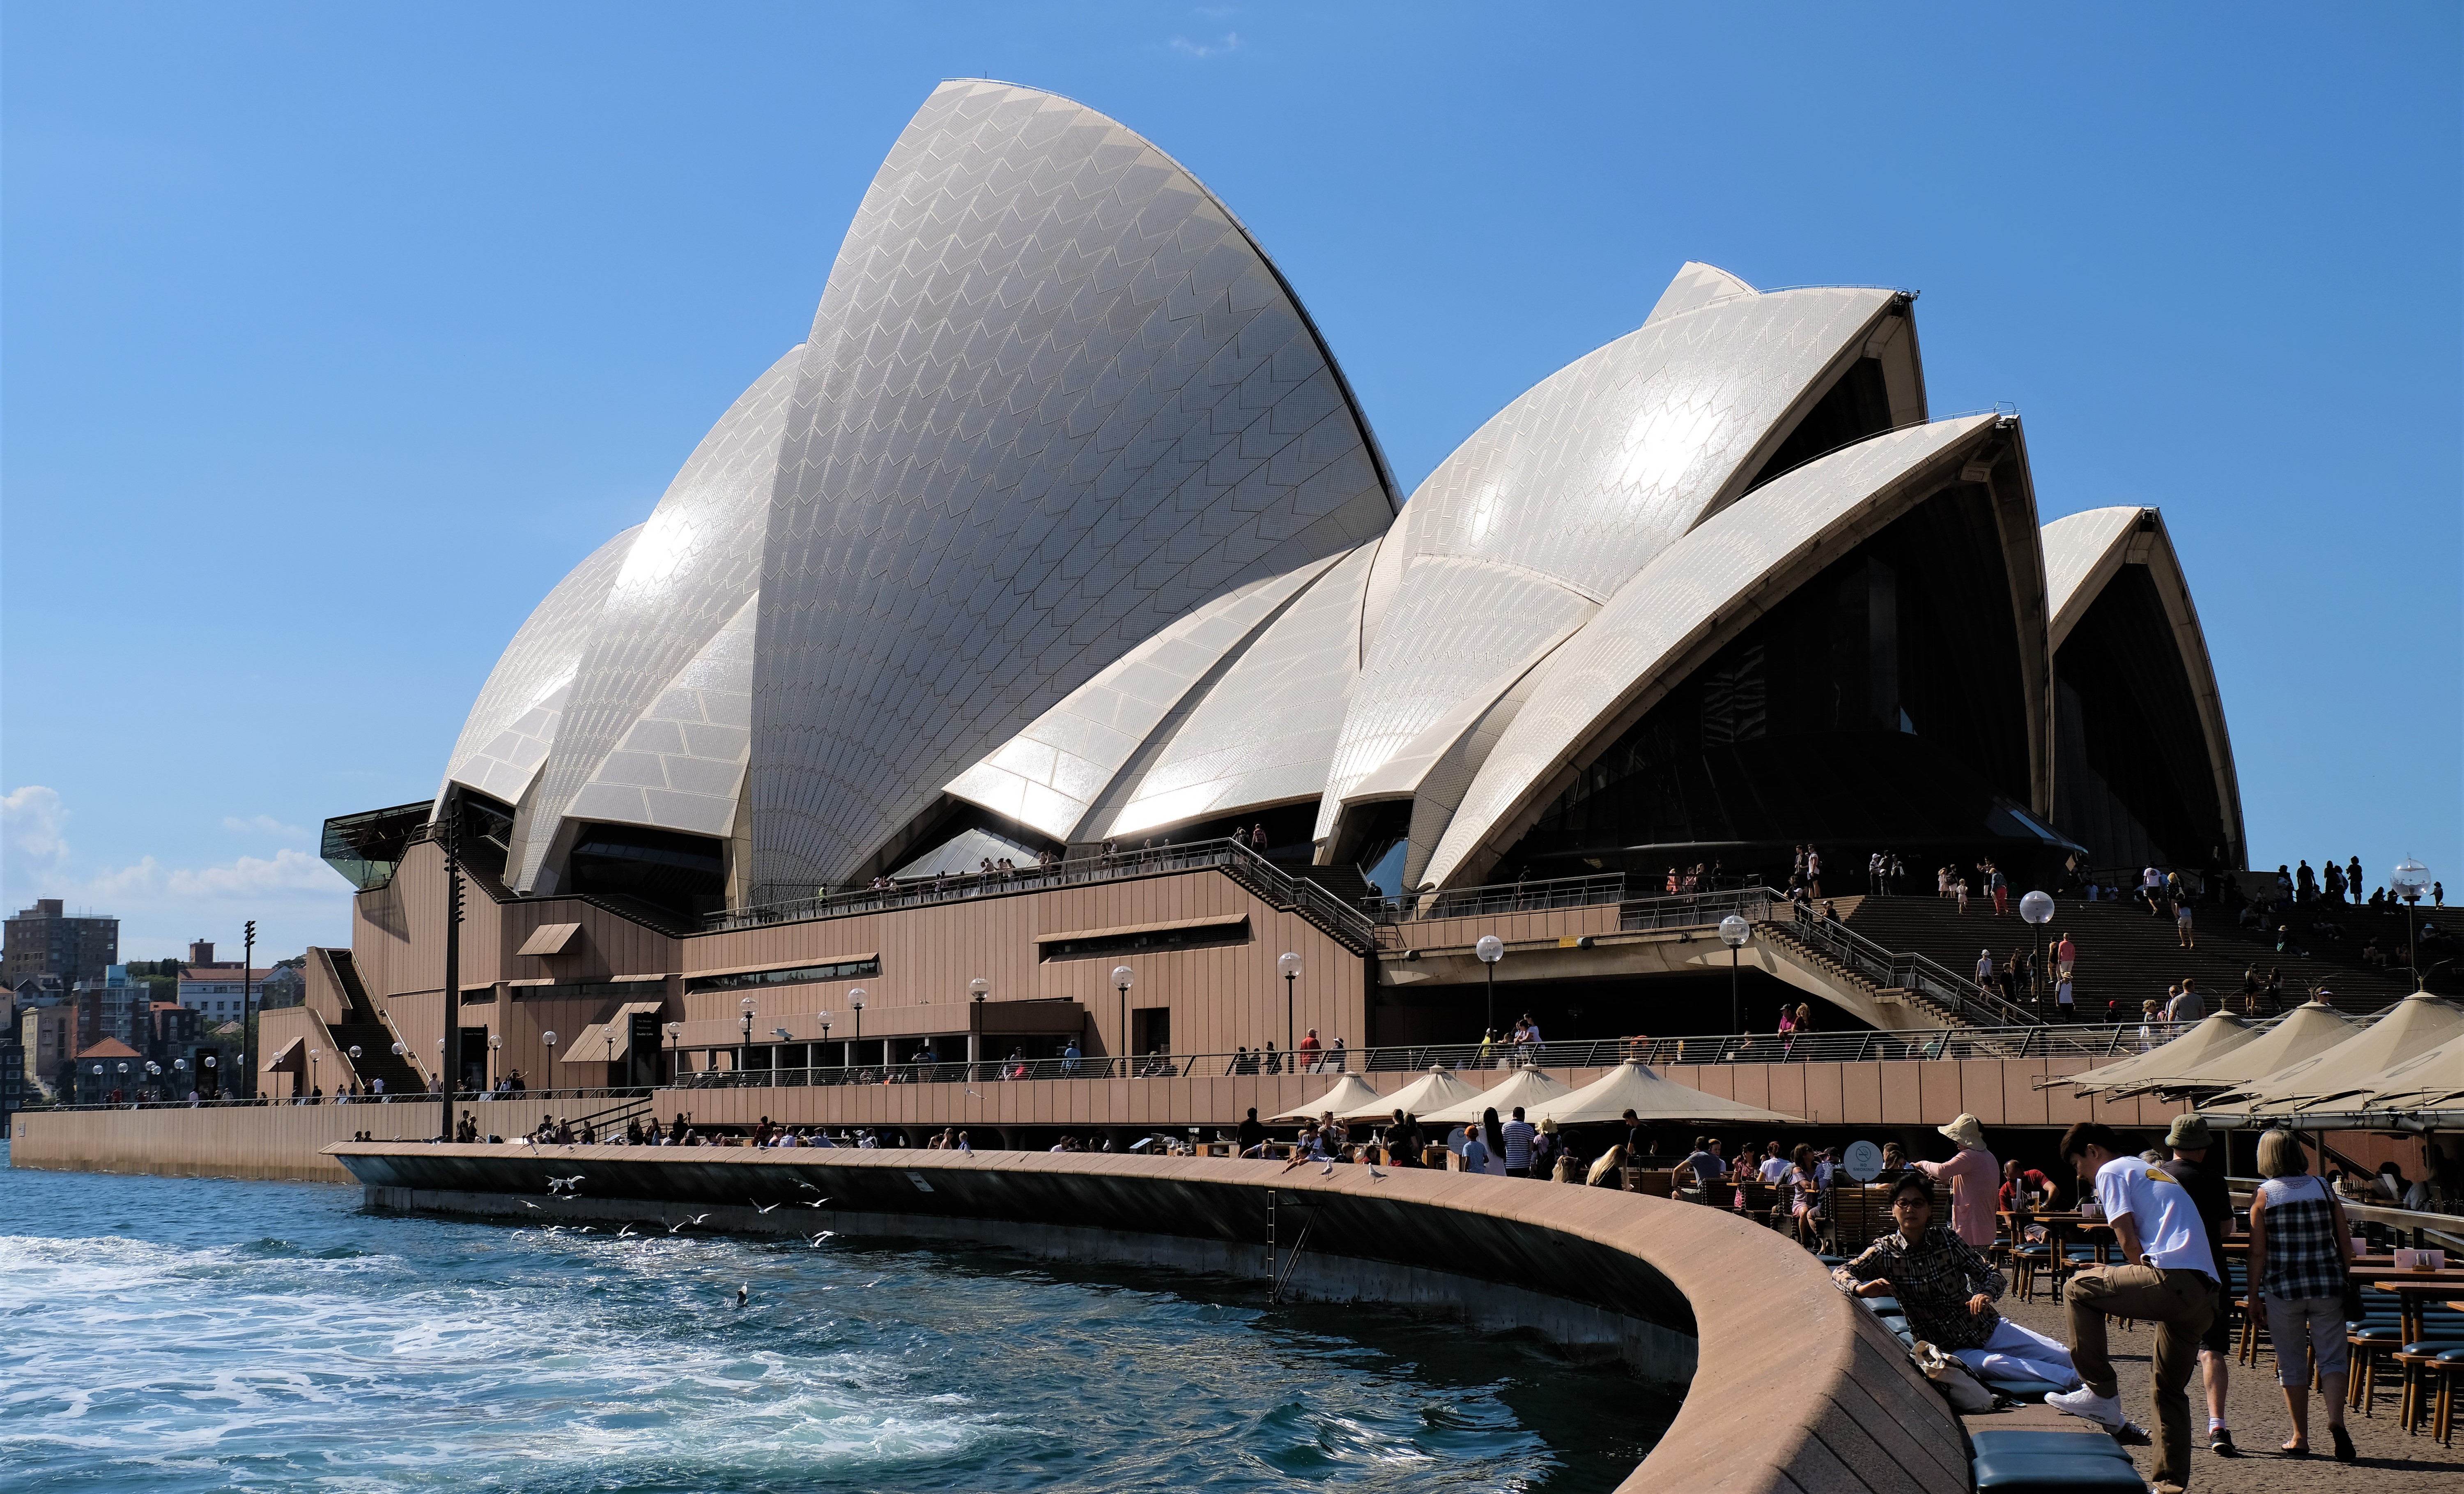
1974, 1178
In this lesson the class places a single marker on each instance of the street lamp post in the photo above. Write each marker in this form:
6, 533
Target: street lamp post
153, 1073
826, 1034
355, 1063
745, 1050
549, 1039
855, 1004
1490, 949
314, 1054
212, 1090
2411, 880
449, 1046
496, 1047
1733, 932
248, 1029
977, 988
1123, 979
1288, 965
2038, 908
675, 1031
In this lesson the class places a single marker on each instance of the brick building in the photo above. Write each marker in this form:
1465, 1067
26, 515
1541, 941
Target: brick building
45, 940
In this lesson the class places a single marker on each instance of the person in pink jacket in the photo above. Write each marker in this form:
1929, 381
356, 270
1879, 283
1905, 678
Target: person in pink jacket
1973, 1176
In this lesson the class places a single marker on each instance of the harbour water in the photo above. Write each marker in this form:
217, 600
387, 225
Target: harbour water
172, 1334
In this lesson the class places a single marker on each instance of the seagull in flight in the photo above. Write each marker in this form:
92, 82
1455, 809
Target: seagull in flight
561, 1185
758, 1207
626, 1232
818, 1202
695, 1219
806, 1187
527, 1204
823, 1236
588, 1228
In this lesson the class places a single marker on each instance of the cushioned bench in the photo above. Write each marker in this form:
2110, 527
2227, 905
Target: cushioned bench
2029, 1441
2056, 1473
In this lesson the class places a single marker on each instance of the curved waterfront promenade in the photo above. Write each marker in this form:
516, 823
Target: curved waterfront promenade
1788, 1386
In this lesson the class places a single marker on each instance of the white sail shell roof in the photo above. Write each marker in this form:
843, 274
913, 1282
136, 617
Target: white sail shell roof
1558, 500
513, 723
1709, 577
691, 569
681, 763
1055, 398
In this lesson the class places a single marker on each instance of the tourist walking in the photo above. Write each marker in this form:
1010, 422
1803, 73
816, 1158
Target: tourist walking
2170, 1280
1975, 1179
2182, 922
1518, 1134
2189, 1139
2300, 1245
2065, 957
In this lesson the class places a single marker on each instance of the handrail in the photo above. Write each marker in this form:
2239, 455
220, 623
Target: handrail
1955, 994
409, 1098
2029, 1042
1331, 913
1506, 897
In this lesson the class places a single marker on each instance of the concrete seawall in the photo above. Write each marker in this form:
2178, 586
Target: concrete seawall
1788, 1386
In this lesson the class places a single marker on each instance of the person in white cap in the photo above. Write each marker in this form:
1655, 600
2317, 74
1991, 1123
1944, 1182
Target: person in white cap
1975, 1179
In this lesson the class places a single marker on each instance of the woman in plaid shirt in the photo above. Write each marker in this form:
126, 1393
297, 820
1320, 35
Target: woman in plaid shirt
1947, 1292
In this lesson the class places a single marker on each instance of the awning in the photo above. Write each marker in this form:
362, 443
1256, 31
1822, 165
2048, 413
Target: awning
2311, 1027
550, 939
1631, 1087
2357, 1065
1350, 1094
2217, 1036
1434, 1090
1212, 920
590, 1044
1529, 1087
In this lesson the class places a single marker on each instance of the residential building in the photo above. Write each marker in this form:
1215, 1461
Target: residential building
48, 1033
108, 1070
45, 940
214, 988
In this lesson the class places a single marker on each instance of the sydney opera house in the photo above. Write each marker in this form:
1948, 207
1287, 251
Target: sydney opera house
1063, 530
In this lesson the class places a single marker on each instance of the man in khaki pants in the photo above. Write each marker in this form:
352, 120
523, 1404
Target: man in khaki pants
2169, 1279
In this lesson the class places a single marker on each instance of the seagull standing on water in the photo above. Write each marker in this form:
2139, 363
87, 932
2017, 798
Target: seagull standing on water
742, 1292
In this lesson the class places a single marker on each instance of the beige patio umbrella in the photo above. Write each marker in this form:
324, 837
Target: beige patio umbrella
1528, 1088
1434, 1090
1349, 1094
2218, 1034
2430, 1081
1631, 1087
2357, 1065
2311, 1027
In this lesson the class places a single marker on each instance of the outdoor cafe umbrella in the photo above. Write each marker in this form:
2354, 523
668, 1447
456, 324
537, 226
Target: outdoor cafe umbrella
1631, 1087
1434, 1090
1528, 1088
2218, 1034
2311, 1027
2430, 1081
2355, 1066
1349, 1094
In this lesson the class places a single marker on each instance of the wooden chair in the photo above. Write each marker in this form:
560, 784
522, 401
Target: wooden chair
1654, 1182
1857, 1214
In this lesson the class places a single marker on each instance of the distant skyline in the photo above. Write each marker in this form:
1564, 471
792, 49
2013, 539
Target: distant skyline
333, 338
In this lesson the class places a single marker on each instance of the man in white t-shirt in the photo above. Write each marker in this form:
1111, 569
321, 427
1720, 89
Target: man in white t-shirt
1774, 1166
2169, 1279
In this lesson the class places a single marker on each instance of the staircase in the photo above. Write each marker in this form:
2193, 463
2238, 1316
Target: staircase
2125, 956
1900, 976
1338, 917
363, 1026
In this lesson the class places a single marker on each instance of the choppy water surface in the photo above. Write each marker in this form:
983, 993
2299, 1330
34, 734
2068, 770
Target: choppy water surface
170, 1335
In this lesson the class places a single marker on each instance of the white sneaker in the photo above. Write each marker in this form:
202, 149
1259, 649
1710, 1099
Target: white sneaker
2105, 1411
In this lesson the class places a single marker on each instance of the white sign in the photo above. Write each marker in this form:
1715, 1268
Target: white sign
1863, 1161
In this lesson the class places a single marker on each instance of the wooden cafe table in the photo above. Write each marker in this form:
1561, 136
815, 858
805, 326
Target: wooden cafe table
2413, 1290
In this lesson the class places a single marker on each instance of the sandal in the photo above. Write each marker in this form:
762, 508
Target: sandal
2295, 1449
2343, 1444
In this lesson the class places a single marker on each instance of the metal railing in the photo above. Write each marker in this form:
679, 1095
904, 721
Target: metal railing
1271, 882
2031, 1042
1696, 909
1956, 994
461, 1097
1513, 897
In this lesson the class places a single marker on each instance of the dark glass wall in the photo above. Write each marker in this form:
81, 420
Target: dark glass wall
660, 872
2132, 774
1879, 706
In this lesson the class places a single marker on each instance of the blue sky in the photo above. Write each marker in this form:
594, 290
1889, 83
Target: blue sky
334, 335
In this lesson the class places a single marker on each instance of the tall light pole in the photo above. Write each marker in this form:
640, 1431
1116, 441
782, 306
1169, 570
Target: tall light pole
1490, 949
675, 1031
248, 1029
855, 1004
1123, 979
1289, 965
977, 988
448, 1048
745, 1050
496, 1047
2038, 908
2409, 879
1733, 932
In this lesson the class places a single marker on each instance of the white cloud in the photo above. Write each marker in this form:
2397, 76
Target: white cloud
31, 819
1231, 42
262, 825
295, 897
